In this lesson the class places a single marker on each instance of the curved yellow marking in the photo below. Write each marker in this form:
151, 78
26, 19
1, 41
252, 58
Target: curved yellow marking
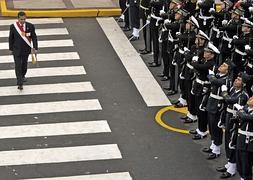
159, 120
61, 13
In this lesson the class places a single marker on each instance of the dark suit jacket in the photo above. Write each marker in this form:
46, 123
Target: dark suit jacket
17, 45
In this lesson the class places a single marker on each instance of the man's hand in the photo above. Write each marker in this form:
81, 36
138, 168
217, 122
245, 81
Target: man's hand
235, 37
210, 72
224, 22
186, 50
34, 51
224, 88
195, 58
211, 10
247, 47
238, 106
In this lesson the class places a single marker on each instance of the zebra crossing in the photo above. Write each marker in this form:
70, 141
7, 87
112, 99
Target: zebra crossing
51, 155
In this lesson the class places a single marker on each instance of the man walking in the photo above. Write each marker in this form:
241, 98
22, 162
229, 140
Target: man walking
21, 35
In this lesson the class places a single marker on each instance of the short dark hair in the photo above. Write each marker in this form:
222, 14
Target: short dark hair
21, 13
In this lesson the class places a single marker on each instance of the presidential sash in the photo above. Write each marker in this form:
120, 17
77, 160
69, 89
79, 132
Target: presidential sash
27, 39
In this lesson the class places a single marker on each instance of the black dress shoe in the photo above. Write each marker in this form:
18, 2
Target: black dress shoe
198, 137
154, 65
226, 175
168, 89
184, 118
189, 120
171, 92
221, 169
179, 105
126, 29
141, 50
212, 156
193, 131
164, 78
207, 150
144, 52
20, 87
160, 75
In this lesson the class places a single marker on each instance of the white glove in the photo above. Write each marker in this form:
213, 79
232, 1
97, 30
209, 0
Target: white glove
235, 37
199, 1
167, 21
224, 88
195, 58
238, 106
162, 12
186, 49
147, 21
178, 33
127, 5
243, 18
251, 9
210, 72
247, 47
211, 10
224, 22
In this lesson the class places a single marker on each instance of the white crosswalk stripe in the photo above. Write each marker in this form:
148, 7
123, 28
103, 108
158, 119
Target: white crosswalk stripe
50, 107
57, 155
45, 44
54, 129
42, 32
51, 128
47, 89
45, 57
8, 22
43, 72
109, 176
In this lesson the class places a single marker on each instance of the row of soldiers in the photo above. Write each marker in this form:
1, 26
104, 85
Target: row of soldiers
207, 52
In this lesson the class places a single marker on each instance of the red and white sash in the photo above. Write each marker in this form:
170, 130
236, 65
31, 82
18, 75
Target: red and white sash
27, 39
22, 33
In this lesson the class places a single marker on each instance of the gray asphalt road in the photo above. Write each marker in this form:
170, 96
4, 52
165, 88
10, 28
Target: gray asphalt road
149, 151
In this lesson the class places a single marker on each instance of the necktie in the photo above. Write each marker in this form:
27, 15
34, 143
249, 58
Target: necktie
22, 26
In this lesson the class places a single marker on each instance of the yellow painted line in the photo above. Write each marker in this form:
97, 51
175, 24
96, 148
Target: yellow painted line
109, 12
158, 118
61, 13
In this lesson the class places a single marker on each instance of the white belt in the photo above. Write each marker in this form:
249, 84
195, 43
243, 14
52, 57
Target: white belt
202, 82
189, 66
250, 65
205, 17
231, 111
240, 52
227, 39
216, 96
246, 133
181, 51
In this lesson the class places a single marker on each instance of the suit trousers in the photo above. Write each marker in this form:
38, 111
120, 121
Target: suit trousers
244, 161
135, 16
215, 132
146, 30
165, 57
20, 67
155, 36
202, 115
230, 153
